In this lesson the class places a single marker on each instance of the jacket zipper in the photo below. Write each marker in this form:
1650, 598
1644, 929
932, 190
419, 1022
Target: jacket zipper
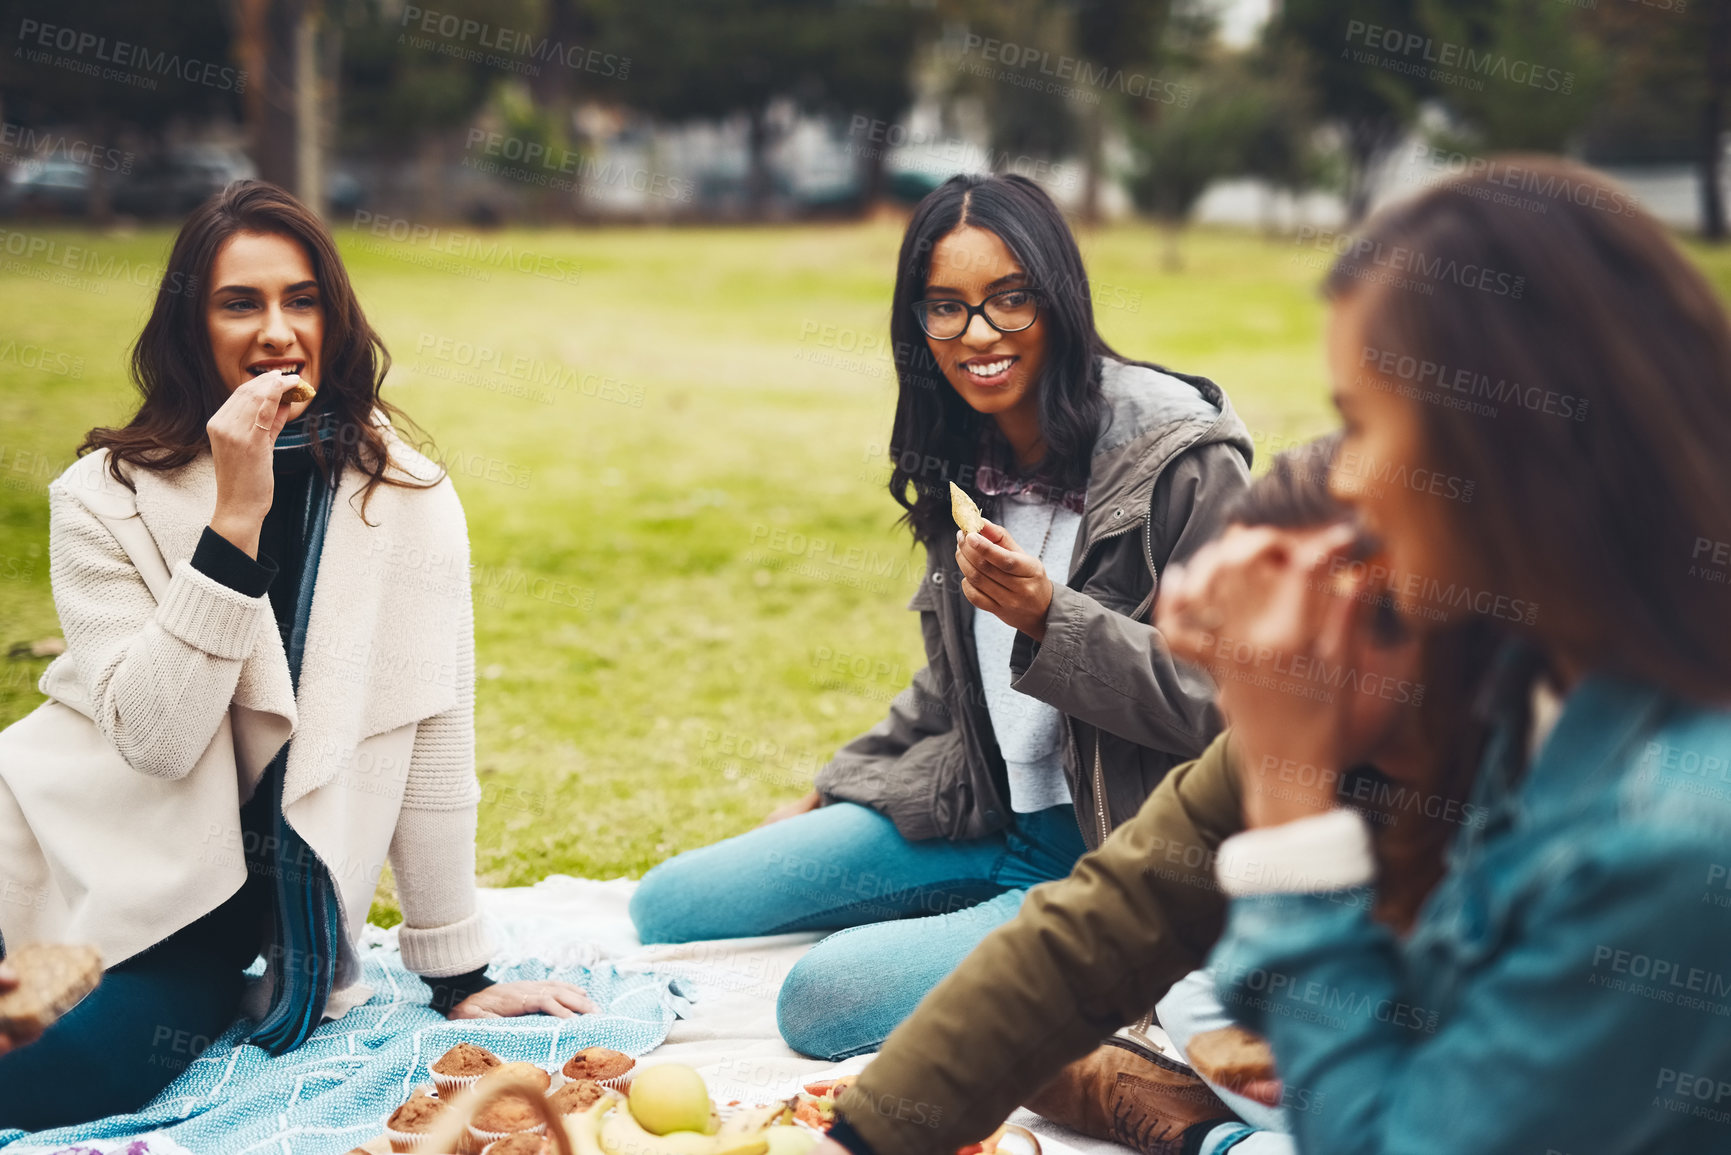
1145, 607
1099, 789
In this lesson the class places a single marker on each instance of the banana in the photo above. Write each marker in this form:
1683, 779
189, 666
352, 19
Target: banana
585, 1128
754, 1120
621, 1134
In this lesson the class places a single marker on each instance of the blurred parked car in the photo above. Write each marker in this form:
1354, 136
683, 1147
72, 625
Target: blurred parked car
175, 183
46, 188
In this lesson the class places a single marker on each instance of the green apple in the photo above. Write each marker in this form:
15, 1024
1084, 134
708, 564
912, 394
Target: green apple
669, 1097
790, 1140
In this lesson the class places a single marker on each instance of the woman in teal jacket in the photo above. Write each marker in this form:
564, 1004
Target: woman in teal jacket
1541, 434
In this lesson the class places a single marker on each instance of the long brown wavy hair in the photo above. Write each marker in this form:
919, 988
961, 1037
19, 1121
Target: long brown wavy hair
1602, 468
173, 368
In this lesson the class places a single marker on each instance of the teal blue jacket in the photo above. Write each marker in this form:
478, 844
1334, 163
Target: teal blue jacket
1566, 988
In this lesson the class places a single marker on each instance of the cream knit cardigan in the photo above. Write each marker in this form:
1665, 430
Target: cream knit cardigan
119, 797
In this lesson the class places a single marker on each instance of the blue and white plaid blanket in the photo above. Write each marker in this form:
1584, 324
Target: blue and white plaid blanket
335, 1090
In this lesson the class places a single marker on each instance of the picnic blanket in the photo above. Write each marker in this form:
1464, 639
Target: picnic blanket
710, 1005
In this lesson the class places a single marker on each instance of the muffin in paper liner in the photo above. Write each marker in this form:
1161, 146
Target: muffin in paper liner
483, 1138
620, 1082
420, 1110
450, 1086
498, 1143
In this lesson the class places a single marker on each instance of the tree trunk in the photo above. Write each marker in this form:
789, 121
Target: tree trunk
872, 168
270, 35
757, 175
1171, 259
1093, 160
1712, 142
309, 173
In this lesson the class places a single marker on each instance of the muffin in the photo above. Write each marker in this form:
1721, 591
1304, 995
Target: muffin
408, 1125
576, 1096
536, 1075
609, 1068
521, 1143
504, 1116
460, 1068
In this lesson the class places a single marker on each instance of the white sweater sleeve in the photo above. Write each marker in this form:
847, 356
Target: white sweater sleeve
433, 848
160, 676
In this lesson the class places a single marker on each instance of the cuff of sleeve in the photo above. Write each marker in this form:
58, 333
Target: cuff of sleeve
443, 951
209, 616
221, 560
1051, 662
1325, 852
447, 993
842, 1132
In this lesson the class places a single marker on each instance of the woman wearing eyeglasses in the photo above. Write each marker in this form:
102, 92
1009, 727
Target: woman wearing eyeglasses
1049, 707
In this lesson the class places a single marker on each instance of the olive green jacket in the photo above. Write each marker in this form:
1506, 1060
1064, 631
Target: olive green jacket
1086, 955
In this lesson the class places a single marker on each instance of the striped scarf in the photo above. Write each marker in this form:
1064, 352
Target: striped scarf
307, 938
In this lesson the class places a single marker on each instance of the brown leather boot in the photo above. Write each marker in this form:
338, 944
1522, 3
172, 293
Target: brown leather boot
1132, 1095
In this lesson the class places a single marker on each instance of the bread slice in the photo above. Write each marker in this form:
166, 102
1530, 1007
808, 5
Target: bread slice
1231, 1056
52, 978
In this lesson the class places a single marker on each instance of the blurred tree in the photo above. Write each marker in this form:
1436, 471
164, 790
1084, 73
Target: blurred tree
704, 59
406, 87
1372, 105
1547, 44
1196, 143
164, 48
1666, 57
1005, 54
1121, 36
1281, 128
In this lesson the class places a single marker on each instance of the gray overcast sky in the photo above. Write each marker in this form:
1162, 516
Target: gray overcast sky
1241, 19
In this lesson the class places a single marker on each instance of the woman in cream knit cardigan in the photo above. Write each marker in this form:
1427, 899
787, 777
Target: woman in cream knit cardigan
268, 689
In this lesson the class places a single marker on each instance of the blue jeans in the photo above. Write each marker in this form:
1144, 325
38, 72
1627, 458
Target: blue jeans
907, 912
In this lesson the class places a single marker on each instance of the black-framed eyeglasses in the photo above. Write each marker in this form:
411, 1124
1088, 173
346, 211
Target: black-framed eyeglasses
1007, 311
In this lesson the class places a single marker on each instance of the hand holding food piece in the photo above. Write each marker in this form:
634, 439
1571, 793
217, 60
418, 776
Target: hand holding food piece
1237, 1059
39, 982
1005, 580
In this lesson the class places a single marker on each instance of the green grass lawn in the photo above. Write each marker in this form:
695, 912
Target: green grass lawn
689, 584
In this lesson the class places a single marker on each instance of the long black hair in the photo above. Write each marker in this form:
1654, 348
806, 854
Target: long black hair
936, 436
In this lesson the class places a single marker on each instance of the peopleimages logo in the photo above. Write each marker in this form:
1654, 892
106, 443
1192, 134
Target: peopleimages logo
1439, 59
36, 39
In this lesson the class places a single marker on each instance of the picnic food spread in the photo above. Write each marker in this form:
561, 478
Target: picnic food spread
52, 978
1231, 1056
963, 509
815, 1104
